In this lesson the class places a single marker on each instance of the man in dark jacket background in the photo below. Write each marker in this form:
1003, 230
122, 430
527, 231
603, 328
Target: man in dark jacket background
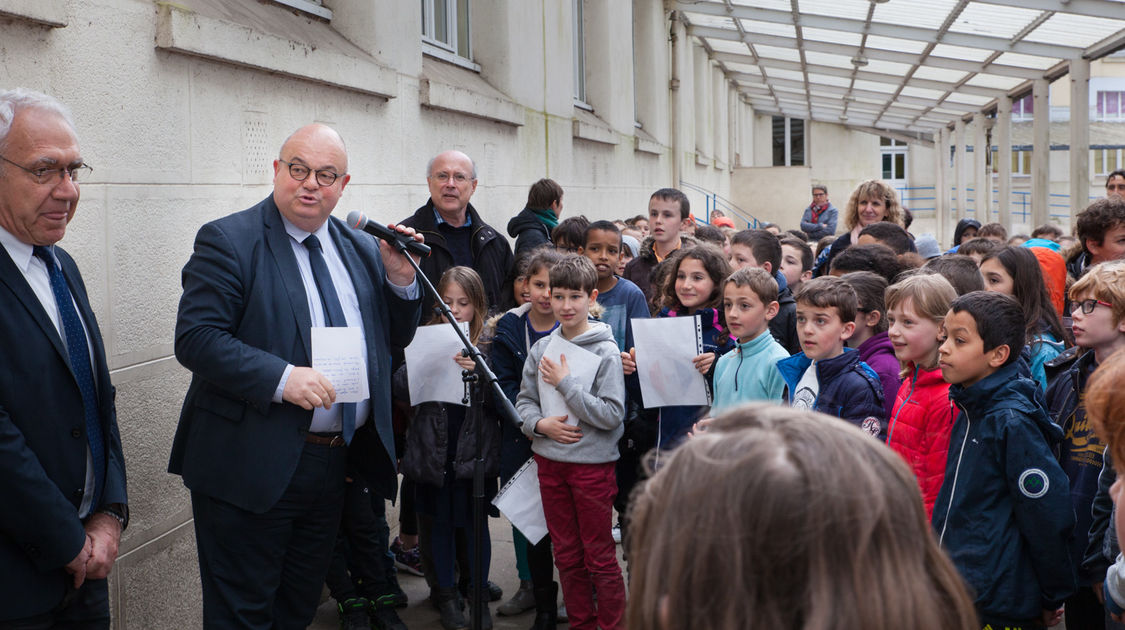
454, 230
533, 225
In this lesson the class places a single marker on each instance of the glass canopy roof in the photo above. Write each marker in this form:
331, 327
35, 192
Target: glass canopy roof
910, 66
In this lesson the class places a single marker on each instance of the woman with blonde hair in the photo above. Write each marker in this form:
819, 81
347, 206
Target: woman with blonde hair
871, 202
798, 521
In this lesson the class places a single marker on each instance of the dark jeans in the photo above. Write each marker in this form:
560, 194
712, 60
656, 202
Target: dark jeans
359, 565
84, 609
267, 570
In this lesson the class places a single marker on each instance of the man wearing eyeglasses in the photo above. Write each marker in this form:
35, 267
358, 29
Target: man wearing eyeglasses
62, 472
262, 442
454, 230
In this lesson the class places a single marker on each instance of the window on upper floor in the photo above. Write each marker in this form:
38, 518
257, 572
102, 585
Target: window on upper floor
579, 56
788, 141
446, 33
312, 7
1111, 105
1023, 109
893, 156
1105, 161
1021, 162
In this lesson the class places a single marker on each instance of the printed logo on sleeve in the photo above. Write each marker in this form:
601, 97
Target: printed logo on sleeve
1034, 483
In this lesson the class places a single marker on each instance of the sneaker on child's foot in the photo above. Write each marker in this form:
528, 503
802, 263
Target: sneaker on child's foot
386, 619
409, 560
616, 534
354, 614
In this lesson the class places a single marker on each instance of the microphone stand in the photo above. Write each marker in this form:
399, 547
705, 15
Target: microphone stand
503, 406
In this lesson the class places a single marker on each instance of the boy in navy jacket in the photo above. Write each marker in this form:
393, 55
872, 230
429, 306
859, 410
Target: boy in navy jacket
1003, 512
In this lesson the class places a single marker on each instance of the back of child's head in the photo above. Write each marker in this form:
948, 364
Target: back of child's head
800, 234
574, 273
764, 245
961, 271
999, 320
929, 294
1105, 406
672, 194
544, 259
714, 263
570, 233
758, 280
1105, 282
1098, 218
802, 246
876, 258
765, 486
602, 225
829, 292
469, 281
632, 222
543, 193
1029, 290
891, 235
869, 289
993, 231
980, 246
710, 234
907, 217
1049, 231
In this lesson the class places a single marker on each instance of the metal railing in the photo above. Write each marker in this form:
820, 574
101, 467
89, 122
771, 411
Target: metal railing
1019, 205
713, 200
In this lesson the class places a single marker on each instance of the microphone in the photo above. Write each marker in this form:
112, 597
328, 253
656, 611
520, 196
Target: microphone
359, 221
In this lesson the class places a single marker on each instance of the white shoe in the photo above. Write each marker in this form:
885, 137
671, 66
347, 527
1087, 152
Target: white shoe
616, 534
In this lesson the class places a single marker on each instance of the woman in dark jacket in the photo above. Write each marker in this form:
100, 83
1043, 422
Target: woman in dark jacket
872, 201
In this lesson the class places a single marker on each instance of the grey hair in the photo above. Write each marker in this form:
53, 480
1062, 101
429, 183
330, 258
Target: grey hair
16, 100
817, 187
430, 164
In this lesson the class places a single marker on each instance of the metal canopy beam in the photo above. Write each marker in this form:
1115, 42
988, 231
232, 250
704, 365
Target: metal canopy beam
1090, 8
900, 31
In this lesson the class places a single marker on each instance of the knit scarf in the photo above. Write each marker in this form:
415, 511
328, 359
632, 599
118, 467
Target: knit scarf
547, 216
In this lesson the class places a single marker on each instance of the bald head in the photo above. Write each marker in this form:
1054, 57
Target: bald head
452, 178
317, 133
313, 153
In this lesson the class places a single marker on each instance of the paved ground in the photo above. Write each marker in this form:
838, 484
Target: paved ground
419, 615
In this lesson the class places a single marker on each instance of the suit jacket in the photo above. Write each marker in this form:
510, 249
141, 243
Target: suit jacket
242, 318
43, 444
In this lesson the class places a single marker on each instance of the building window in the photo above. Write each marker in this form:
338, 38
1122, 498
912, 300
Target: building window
312, 7
1023, 109
445, 30
1111, 105
1105, 161
579, 57
893, 154
1021, 161
788, 141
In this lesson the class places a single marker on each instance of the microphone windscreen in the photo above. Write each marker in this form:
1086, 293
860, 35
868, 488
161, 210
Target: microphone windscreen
357, 219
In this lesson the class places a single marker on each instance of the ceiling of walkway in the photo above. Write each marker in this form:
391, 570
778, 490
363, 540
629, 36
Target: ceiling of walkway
909, 66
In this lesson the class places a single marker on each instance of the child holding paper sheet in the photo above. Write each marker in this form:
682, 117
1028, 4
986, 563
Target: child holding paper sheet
694, 287
440, 451
576, 451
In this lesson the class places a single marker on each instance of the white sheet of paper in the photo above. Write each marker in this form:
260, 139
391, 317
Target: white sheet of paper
519, 500
665, 347
431, 372
583, 365
337, 353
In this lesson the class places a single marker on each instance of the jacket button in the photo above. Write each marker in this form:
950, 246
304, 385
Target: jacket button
75, 433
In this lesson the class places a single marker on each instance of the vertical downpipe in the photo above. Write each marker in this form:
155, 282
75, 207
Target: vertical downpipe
673, 108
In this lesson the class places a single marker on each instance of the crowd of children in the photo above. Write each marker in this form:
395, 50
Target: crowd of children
973, 366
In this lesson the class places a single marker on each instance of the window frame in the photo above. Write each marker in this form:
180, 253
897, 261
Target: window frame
578, 31
788, 141
1099, 113
1118, 153
312, 7
449, 51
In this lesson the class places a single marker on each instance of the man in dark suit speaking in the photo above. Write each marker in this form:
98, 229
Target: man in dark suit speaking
262, 443
62, 473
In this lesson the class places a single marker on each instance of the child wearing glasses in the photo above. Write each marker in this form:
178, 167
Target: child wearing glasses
1097, 304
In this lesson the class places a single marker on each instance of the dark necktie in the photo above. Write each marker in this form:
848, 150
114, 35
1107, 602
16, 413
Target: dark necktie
333, 313
79, 352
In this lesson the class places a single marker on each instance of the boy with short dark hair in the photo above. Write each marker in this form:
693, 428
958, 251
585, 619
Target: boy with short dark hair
889, 234
826, 376
569, 234
961, 271
1098, 310
979, 248
1003, 512
762, 249
993, 231
576, 455
669, 213
1101, 231
796, 261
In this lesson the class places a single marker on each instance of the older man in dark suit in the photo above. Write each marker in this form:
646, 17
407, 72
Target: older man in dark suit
62, 472
262, 443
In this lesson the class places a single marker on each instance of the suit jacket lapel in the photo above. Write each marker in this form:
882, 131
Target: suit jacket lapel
11, 277
278, 242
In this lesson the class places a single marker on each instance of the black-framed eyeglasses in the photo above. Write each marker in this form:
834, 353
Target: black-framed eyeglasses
52, 176
1087, 306
300, 172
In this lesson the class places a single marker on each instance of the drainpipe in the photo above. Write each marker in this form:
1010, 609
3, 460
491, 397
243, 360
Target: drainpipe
673, 108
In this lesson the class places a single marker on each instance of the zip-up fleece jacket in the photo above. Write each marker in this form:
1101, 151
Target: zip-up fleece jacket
849, 389
879, 353
749, 373
919, 429
1004, 512
600, 411
1080, 454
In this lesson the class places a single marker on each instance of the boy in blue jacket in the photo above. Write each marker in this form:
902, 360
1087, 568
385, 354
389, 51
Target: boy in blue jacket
1003, 512
826, 376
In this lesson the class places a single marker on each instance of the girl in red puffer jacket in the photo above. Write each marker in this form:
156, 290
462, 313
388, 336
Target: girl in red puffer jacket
922, 417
